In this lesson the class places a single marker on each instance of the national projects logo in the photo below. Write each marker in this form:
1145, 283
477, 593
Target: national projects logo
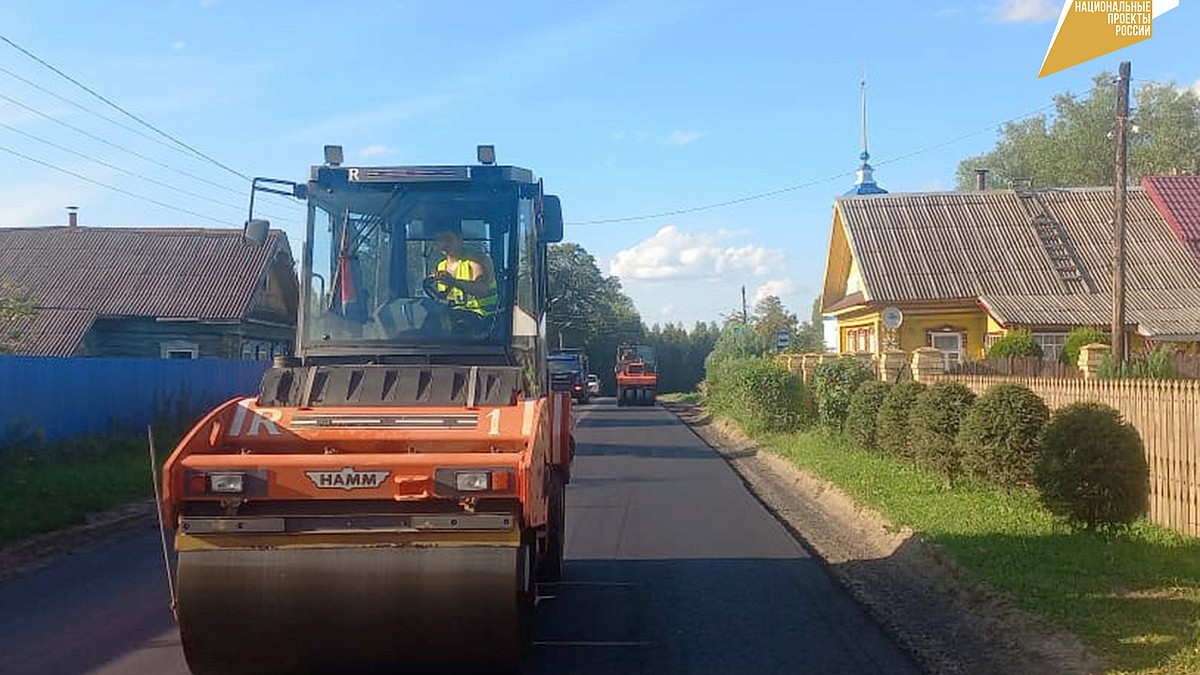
1088, 29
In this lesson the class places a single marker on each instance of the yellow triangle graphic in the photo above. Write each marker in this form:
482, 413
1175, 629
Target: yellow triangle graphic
1089, 30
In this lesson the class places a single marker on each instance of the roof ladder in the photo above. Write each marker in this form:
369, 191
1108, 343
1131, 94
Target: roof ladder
1055, 240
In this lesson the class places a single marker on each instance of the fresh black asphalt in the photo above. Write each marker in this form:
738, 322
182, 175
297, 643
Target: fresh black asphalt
672, 567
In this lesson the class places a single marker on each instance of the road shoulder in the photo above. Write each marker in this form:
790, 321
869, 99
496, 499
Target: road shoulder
949, 622
40, 550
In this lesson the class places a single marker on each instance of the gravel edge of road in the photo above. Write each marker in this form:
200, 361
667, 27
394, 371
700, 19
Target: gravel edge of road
38, 551
949, 622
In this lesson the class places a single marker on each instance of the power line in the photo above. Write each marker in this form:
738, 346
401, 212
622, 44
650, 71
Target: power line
811, 183
111, 187
121, 125
127, 172
122, 148
89, 111
122, 110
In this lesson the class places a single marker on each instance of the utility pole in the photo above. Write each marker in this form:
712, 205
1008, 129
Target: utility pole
745, 319
1118, 274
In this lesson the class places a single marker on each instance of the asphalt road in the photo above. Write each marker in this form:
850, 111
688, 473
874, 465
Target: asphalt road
672, 567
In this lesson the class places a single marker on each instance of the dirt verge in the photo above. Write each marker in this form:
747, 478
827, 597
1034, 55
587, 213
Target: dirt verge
950, 622
40, 550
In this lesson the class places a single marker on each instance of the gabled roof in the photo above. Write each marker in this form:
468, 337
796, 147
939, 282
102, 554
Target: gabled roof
1178, 198
77, 274
956, 245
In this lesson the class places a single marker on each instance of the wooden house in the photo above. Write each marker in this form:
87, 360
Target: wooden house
964, 268
152, 292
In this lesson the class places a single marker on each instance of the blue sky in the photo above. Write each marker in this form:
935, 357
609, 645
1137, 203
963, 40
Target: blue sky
626, 109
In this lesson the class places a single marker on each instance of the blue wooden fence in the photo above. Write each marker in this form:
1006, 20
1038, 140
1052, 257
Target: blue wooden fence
63, 397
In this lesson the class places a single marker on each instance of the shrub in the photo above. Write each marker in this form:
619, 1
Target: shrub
1016, 343
933, 427
758, 393
1157, 365
1076, 340
999, 435
834, 383
891, 426
1093, 469
863, 411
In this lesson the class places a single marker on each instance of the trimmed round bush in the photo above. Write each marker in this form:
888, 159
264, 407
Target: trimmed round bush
892, 423
1093, 467
834, 383
1076, 340
1016, 343
863, 411
933, 427
999, 436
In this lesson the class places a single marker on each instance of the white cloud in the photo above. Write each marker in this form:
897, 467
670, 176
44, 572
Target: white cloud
178, 45
1195, 87
681, 137
672, 254
1034, 11
374, 150
779, 288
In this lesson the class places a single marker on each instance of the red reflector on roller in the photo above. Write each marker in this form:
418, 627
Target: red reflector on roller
198, 484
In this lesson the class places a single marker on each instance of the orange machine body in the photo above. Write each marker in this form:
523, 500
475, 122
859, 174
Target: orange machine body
371, 453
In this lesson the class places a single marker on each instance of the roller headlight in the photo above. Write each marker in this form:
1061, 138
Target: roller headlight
472, 481
231, 483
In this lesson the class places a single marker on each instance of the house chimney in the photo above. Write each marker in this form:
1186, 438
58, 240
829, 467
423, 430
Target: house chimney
72, 216
981, 179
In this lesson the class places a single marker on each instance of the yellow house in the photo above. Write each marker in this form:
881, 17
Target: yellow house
964, 268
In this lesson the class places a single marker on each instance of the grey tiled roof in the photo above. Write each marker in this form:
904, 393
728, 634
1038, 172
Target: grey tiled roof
80, 272
942, 246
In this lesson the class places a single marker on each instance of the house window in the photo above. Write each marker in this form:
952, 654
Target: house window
179, 349
1052, 344
860, 340
951, 346
989, 340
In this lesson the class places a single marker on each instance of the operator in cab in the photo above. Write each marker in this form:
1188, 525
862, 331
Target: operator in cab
467, 280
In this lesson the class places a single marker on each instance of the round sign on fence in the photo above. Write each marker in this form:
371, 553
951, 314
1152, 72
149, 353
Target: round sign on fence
892, 318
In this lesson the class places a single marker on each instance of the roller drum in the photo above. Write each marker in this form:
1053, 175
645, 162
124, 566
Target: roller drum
355, 610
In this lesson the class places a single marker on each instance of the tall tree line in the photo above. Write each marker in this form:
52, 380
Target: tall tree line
589, 310
1074, 147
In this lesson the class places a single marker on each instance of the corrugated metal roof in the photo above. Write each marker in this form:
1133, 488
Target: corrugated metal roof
1178, 198
940, 246
53, 332
183, 273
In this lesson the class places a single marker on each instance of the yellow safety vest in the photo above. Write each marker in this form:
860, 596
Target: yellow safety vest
481, 306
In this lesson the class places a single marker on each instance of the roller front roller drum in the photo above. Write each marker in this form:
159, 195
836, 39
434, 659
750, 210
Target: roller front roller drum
355, 610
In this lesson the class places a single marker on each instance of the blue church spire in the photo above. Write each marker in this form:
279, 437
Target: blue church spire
865, 182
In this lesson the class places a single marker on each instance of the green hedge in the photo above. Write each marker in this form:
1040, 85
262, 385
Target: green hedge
863, 412
834, 383
1092, 468
934, 424
1000, 435
892, 424
759, 393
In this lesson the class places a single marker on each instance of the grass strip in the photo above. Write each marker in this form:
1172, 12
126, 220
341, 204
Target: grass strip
1133, 596
49, 486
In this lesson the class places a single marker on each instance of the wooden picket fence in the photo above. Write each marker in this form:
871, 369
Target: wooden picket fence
1166, 414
